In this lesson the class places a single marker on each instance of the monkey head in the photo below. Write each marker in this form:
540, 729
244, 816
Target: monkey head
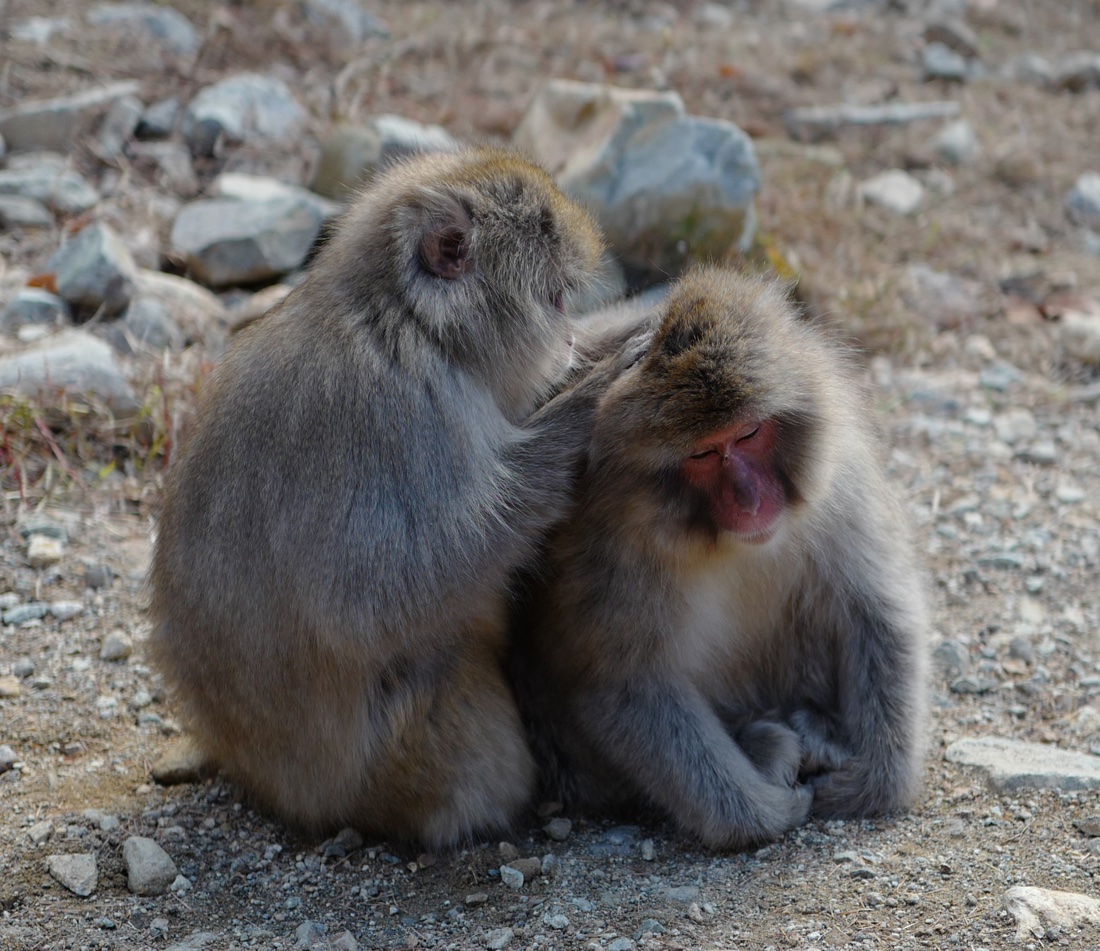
722, 413
479, 247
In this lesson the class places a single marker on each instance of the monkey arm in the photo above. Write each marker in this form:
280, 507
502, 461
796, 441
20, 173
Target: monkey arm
671, 745
879, 642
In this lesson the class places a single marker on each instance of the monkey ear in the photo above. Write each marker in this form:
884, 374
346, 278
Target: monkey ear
445, 243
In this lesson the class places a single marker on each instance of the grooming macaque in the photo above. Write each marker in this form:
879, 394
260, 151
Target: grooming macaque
730, 626
365, 475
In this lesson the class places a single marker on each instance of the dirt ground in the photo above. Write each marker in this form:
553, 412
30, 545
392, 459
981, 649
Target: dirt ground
1008, 524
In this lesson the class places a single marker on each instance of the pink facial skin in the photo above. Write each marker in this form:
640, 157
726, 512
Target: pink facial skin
735, 470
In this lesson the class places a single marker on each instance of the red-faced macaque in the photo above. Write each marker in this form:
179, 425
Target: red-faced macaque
730, 625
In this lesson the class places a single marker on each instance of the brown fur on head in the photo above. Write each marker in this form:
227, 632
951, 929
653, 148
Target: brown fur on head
479, 247
722, 342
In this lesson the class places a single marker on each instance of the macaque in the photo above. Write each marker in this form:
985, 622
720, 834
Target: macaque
730, 625
373, 462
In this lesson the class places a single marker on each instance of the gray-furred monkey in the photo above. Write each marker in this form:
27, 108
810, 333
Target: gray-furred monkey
731, 626
362, 480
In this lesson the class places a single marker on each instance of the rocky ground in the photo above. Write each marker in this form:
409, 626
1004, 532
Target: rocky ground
970, 278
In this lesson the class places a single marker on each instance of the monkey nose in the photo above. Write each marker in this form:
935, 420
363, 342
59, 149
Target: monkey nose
743, 482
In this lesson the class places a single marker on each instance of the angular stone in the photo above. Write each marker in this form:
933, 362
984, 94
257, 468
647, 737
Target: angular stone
46, 179
30, 305
18, 211
199, 314
665, 186
1032, 907
77, 872
118, 126
95, 269
149, 21
73, 363
149, 869
225, 241
54, 123
1012, 765
247, 107
1083, 200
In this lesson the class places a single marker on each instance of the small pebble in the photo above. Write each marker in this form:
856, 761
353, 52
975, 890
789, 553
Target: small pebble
499, 938
43, 551
558, 829
511, 877
64, 610
116, 646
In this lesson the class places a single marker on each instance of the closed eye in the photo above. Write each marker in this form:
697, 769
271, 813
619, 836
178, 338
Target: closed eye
703, 455
749, 436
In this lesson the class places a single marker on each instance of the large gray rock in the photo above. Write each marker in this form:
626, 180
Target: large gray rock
45, 177
118, 126
149, 869
1011, 765
224, 241
149, 21
75, 365
895, 190
95, 269
53, 123
666, 187
247, 107
351, 154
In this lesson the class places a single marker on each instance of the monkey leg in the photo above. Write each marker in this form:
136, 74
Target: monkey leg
458, 770
677, 751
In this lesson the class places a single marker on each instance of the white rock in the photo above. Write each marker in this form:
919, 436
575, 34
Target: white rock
19, 211
1031, 907
1080, 334
895, 190
1013, 764
43, 551
512, 877
199, 313
664, 186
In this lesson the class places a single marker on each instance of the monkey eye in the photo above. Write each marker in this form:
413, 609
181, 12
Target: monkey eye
749, 436
704, 454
